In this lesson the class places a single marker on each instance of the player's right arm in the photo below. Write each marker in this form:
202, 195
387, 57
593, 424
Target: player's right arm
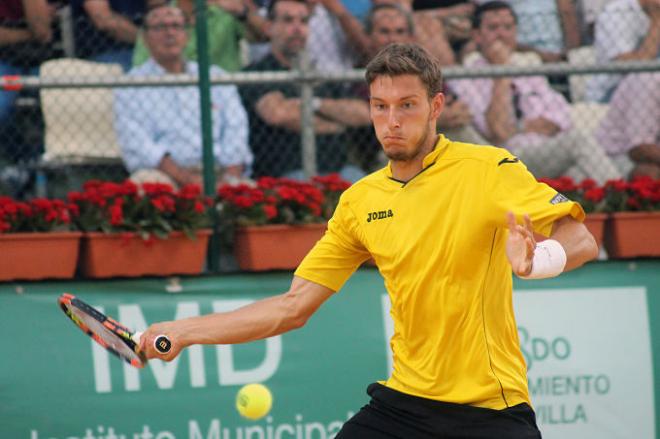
262, 319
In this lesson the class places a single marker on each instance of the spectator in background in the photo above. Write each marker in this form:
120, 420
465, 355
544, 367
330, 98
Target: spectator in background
106, 30
548, 27
432, 33
26, 37
228, 21
336, 37
455, 17
589, 11
630, 132
625, 30
159, 128
28, 33
275, 109
524, 114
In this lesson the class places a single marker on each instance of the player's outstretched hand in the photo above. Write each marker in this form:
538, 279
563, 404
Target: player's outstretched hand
168, 329
520, 245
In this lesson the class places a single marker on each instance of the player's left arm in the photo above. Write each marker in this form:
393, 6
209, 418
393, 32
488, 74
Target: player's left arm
570, 246
578, 243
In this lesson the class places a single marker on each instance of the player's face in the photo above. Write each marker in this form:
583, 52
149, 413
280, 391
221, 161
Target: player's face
497, 25
166, 34
404, 116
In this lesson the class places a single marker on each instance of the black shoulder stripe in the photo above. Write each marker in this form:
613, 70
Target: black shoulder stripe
508, 160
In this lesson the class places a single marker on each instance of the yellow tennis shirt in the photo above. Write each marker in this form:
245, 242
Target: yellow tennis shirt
439, 243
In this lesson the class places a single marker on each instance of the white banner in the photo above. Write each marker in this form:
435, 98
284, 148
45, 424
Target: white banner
588, 354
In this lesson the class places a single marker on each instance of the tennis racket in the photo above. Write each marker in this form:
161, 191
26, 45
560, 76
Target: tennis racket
109, 333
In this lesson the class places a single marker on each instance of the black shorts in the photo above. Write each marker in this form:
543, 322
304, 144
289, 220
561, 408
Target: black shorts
391, 414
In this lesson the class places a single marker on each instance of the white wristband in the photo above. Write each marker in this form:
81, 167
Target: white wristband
549, 260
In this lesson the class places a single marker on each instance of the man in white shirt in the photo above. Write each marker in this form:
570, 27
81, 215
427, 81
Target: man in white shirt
159, 128
626, 30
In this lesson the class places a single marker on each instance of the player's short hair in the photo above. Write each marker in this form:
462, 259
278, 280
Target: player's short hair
271, 6
369, 21
406, 59
495, 5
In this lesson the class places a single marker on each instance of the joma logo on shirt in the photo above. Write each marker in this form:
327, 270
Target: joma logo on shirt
381, 214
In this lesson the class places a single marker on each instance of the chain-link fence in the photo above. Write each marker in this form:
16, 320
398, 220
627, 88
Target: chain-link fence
98, 98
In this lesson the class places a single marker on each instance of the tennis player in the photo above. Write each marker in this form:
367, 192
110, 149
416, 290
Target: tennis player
446, 223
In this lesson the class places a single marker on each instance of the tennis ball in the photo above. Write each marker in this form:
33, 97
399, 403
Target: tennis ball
253, 401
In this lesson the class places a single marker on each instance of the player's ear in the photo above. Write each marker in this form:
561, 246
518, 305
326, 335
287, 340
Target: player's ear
437, 104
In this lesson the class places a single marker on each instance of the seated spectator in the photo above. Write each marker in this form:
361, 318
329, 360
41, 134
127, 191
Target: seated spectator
106, 30
524, 114
336, 37
625, 30
548, 27
590, 9
159, 128
455, 17
630, 132
227, 22
28, 32
432, 26
26, 35
275, 109
388, 23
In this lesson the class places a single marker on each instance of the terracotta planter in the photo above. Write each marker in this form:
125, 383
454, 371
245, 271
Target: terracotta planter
32, 256
110, 255
275, 247
595, 222
633, 234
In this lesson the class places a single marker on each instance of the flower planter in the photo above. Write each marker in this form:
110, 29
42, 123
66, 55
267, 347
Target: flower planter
595, 223
633, 234
109, 255
275, 247
33, 256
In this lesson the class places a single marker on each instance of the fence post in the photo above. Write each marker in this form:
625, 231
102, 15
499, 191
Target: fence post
208, 160
307, 117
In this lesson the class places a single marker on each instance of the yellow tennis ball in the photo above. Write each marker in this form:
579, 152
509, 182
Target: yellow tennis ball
254, 401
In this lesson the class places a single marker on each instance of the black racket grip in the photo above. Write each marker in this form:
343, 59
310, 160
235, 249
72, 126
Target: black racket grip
162, 344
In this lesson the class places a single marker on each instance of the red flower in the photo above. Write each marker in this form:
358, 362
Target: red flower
152, 208
270, 211
243, 201
116, 215
617, 185
280, 201
588, 184
595, 194
642, 193
37, 215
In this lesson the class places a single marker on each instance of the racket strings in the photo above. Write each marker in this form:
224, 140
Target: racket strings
105, 331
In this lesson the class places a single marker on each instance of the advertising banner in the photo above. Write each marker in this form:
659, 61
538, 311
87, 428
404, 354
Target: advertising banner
588, 342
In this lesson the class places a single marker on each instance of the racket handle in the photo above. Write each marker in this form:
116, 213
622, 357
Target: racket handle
161, 343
